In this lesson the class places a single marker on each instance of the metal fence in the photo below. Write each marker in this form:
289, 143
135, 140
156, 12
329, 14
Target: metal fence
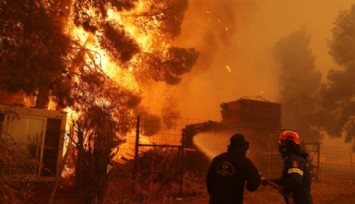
167, 140
157, 151
337, 161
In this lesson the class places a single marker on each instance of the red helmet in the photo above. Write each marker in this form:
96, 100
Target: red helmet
289, 135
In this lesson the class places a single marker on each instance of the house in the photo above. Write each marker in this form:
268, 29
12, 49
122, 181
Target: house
39, 134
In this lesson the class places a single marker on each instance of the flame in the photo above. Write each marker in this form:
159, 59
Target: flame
229, 69
113, 16
126, 150
52, 105
147, 36
144, 38
78, 33
90, 44
123, 77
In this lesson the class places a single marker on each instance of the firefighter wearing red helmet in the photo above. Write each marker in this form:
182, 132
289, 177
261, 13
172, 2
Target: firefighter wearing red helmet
295, 179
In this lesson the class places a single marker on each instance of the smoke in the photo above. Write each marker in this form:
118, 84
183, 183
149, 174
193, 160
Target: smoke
240, 54
339, 90
219, 31
299, 83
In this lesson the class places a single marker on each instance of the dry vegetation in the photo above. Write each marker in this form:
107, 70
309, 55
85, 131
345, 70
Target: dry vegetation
160, 189
332, 191
324, 192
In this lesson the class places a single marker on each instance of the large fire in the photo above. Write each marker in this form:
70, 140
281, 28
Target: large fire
138, 22
130, 43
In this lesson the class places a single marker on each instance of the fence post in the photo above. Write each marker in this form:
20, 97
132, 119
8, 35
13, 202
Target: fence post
182, 165
136, 150
318, 161
351, 162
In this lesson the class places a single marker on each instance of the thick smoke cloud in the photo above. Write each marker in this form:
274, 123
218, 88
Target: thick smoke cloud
240, 45
309, 105
214, 25
299, 83
312, 107
219, 32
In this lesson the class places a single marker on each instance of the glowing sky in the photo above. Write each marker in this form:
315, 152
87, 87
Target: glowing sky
235, 37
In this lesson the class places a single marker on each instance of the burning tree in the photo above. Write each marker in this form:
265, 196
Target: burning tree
34, 50
92, 58
128, 34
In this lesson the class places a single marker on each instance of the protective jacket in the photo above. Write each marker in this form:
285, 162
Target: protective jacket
227, 175
296, 179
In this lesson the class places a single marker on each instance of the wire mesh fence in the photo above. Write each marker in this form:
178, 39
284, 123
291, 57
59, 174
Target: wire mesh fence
154, 132
173, 156
180, 152
337, 161
155, 151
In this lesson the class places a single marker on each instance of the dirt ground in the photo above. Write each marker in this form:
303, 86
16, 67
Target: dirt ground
330, 190
323, 192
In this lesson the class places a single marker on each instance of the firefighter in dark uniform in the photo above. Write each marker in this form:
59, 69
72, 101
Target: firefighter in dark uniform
295, 180
229, 172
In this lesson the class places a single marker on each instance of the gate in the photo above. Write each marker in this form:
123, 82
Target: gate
158, 158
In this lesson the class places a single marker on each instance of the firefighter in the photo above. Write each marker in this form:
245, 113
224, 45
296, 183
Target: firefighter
229, 172
295, 181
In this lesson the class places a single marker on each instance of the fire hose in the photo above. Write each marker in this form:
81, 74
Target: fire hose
287, 196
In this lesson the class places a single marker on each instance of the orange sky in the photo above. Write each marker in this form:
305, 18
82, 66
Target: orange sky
235, 38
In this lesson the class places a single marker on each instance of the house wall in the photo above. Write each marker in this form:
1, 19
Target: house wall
39, 132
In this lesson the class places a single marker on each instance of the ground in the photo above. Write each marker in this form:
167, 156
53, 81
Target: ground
330, 190
323, 193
